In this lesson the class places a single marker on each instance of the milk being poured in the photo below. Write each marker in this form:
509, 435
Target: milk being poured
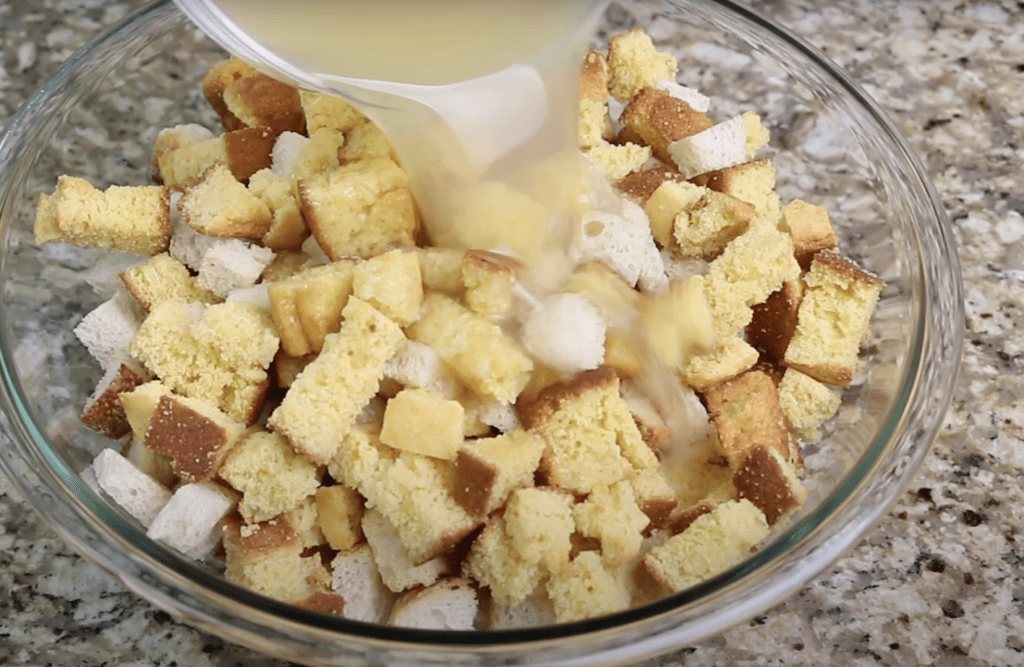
479, 97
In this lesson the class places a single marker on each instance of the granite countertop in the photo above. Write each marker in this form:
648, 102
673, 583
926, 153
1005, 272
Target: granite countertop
939, 581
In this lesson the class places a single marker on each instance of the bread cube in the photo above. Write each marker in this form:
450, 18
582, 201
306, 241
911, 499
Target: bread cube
449, 604
172, 138
678, 324
133, 490
539, 523
331, 112
272, 478
266, 558
190, 521
307, 307
391, 282
717, 147
586, 590
807, 404
163, 278
194, 435
219, 205
751, 182
339, 515
634, 64
488, 279
258, 100
810, 228
768, 480
104, 412
494, 562
661, 121
216, 81
244, 151
356, 579
730, 357
423, 422
595, 123
487, 470
397, 568
746, 413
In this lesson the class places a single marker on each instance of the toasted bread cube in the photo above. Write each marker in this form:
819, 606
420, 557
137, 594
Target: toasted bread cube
618, 161
712, 543
133, 490
233, 265
666, 202
120, 218
638, 186
339, 515
834, 319
172, 138
288, 230
635, 64
718, 147
768, 480
307, 307
140, 404
810, 228
480, 354
660, 121
104, 412
391, 282
398, 571
752, 182
654, 496
356, 579
588, 589
746, 413
329, 112
488, 279
707, 227
590, 433
258, 100
326, 399
611, 515
163, 278
219, 205
245, 152
487, 470
449, 604
595, 124
774, 321
272, 478
359, 209
216, 80
806, 403
423, 422
266, 558
194, 435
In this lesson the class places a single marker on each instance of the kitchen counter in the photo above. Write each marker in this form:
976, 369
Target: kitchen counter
939, 581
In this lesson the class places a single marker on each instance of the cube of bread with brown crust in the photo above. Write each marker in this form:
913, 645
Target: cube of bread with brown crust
729, 358
216, 80
360, 209
590, 433
640, 185
448, 604
423, 422
258, 100
287, 230
635, 63
195, 435
834, 319
163, 278
172, 138
487, 470
139, 405
219, 205
709, 225
810, 228
479, 353
287, 263
488, 279
774, 321
595, 124
120, 218
660, 120
392, 283
655, 497
272, 478
325, 400
746, 413
266, 558
806, 403
307, 306
768, 480
752, 182
339, 511
104, 412
244, 151
324, 111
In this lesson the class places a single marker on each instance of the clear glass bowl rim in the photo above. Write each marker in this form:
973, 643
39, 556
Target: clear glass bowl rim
203, 599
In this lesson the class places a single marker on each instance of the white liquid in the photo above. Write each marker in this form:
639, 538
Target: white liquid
497, 90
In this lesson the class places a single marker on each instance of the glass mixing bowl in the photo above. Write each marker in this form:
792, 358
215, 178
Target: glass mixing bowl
97, 118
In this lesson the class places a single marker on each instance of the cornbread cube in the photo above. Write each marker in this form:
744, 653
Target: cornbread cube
366, 141
219, 205
619, 161
768, 480
193, 434
190, 520
220, 356
413, 492
810, 228
590, 433
487, 470
712, 543
758, 135
244, 152
661, 121
356, 579
391, 282
730, 357
397, 569
478, 352
746, 413
171, 138
834, 319
423, 422
449, 604
163, 278
104, 412
339, 512
595, 122
325, 400
270, 475
120, 218
288, 230
611, 515
488, 279
495, 563
806, 403
677, 323
706, 226
638, 186
774, 321
133, 490
634, 64
654, 496
359, 209
539, 522
258, 100
267, 559
329, 112
307, 307
752, 182
216, 81
588, 589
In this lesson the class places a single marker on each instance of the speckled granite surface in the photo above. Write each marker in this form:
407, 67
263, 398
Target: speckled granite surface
940, 581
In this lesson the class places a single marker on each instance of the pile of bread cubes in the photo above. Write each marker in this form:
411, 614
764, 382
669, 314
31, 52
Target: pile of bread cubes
362, 424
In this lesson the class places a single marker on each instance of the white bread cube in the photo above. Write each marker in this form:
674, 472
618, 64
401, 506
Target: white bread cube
449, 604
355, 578
718, 147
396, 567
108, 330
692, 96
232, 264
566, 332
190, 521
624, 243
136, 492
